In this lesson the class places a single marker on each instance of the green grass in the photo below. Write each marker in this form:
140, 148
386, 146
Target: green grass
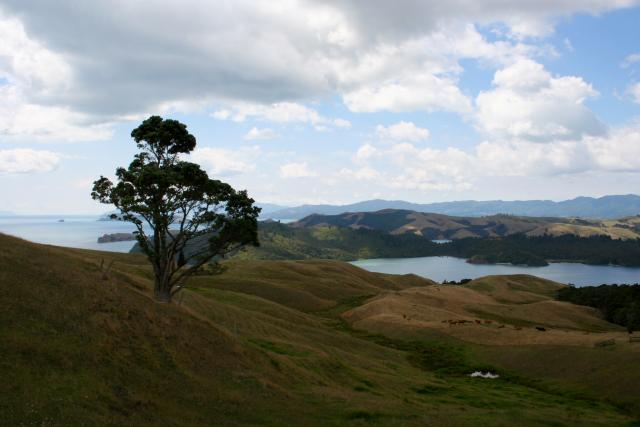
261, 344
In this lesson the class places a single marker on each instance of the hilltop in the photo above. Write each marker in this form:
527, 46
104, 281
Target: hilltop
606, 207
275, 343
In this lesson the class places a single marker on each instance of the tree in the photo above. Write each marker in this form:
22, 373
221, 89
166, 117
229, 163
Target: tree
183, 218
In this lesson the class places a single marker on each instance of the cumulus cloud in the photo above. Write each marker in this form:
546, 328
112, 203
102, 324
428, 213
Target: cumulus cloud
296, 170
226, 162
402, 131
22, 119
409, 167
619, 151
279, 112
525, 158
427, 92
528, 103
264, 133
33, 76
431, 169
101, 63
24, 160
378, 19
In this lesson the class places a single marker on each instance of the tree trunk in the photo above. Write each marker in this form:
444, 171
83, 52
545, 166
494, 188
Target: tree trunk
162, 291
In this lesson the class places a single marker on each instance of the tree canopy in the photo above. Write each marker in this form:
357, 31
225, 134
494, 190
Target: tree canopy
173, 202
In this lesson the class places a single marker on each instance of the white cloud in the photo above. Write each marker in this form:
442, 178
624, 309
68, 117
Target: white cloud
630, 60
296, 170
221, 114
342, 123
264, 133
375, 55
426, 92
431, 169
619, 151
528, 103
24, 160
366, 151
525, 158
279, 112
21, 119
225, 162
402, 131
365, 173
405, 166
33, 76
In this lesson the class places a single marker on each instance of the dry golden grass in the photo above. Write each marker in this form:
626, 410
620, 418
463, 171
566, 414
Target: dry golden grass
494, 310
248, 347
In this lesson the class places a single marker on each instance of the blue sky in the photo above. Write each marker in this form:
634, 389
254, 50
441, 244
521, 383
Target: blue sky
326, 102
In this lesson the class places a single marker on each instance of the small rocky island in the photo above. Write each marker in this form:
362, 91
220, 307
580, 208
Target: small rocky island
116, 237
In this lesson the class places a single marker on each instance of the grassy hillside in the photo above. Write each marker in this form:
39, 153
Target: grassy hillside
290, 242
281, 241
497, 317
262, 344
438, 226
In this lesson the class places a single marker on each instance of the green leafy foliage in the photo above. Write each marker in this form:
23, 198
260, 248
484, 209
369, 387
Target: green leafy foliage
179, 203
619, 304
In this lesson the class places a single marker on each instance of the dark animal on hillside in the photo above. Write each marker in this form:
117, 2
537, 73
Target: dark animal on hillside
540, 328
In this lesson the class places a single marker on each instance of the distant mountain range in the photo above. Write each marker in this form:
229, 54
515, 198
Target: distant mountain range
585, 207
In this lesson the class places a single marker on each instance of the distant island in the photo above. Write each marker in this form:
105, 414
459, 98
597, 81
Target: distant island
615, 206
116, 237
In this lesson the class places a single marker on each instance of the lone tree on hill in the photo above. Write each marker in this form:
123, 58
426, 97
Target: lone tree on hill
183, 218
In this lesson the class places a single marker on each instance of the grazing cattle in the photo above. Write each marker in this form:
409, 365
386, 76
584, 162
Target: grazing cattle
501, 326
478, 322
540, 328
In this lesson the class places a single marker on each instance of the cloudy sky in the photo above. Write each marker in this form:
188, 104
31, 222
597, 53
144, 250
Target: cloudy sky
309, 101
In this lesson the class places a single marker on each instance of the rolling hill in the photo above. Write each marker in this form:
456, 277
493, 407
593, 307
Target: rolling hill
616, 206
266, 343
438, 226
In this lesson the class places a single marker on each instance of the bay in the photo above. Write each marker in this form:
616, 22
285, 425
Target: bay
450, 268
74, 231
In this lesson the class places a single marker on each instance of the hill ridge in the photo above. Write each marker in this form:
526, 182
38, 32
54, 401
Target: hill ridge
605, 207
